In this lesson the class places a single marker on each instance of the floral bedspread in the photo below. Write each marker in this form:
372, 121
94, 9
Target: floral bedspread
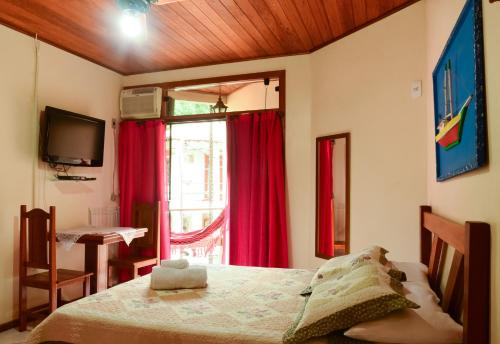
240, 305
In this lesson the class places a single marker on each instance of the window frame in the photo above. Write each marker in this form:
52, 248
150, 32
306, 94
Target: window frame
276, 74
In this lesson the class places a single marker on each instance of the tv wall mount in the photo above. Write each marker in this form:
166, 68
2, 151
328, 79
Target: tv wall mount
62, 173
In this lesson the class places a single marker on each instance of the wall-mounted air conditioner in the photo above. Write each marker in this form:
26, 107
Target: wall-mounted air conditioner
139, 103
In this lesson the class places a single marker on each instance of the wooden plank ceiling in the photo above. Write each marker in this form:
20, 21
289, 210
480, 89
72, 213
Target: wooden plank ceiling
192, 33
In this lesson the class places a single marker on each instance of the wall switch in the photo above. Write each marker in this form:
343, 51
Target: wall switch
416, 89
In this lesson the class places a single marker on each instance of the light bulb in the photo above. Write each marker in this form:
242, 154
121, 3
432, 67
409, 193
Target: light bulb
132, 23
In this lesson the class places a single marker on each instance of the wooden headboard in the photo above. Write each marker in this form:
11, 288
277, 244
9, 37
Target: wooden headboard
467, 291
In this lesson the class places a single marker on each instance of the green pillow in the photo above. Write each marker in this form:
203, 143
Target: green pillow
339, 266
363, 294
397, 274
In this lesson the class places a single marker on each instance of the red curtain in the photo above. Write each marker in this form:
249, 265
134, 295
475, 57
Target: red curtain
256, 182
325, 198
141, 164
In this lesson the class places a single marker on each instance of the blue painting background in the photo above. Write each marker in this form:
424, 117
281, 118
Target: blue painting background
466, 61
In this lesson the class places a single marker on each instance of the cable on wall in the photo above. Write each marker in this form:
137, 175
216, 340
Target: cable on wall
266, 84
44, 185
34, 195
60, 168
114, 195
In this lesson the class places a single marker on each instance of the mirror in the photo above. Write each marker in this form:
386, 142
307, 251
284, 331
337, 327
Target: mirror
332, 195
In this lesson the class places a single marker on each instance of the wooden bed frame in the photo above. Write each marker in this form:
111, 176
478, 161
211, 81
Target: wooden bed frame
466, 295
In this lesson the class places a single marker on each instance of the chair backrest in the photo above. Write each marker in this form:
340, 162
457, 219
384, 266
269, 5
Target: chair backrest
38, 239
147, 215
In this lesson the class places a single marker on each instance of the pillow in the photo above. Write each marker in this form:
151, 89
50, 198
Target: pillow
363, 294
398, 275
339, 266
426, 325
415, 272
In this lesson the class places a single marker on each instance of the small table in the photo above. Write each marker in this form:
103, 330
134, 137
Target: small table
96, 256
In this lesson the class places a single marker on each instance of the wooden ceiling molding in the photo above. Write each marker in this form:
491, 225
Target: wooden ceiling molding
192, 33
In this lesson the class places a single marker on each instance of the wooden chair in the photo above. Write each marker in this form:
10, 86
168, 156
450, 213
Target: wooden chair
144, 215
38, 251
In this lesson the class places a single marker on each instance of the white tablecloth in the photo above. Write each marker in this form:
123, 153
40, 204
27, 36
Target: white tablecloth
69, 237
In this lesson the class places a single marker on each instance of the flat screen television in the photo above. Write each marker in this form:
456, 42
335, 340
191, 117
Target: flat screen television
72, 139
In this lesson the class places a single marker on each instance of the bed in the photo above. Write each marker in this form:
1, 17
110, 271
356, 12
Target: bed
257, 305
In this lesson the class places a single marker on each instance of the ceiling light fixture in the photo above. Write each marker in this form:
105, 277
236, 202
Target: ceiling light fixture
132, 23
219, 106
133, 19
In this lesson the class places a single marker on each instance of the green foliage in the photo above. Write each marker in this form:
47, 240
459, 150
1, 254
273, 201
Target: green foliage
185, 107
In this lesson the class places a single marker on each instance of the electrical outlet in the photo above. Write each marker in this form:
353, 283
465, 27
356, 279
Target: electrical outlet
113, 123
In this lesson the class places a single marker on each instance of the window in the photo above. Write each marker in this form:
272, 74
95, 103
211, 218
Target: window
186, 107
196, 154
197, 157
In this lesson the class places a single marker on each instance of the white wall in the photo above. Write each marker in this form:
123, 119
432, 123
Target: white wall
252, 97
67, 82
298, 141
475, 195
361, 84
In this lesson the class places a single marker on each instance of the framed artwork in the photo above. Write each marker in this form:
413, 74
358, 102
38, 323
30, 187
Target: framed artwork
459, 97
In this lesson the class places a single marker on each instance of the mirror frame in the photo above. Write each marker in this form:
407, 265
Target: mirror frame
347, 137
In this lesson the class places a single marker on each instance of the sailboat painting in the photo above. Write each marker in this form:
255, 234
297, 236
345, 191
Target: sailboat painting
450, 126
459, 98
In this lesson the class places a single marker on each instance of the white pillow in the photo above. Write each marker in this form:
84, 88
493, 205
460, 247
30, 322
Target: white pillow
425, 325
415, 272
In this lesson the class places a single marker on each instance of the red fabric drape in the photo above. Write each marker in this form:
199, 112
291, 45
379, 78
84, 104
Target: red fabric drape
141, 167
325, 198
194, 236
203, 241
257, 206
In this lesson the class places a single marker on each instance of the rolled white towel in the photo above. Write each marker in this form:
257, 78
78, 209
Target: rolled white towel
175, 263
169, 278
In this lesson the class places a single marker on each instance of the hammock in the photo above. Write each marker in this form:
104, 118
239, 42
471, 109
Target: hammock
204, 240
